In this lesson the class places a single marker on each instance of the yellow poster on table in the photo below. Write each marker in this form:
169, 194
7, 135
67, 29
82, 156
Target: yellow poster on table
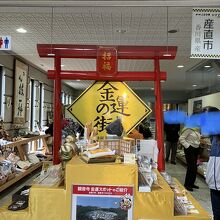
103, 102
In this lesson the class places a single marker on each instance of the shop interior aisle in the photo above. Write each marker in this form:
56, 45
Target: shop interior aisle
202, 194
178, 171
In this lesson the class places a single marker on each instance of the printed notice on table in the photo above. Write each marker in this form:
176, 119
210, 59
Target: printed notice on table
107, 202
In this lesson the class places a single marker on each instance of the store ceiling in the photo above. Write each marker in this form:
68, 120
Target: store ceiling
106, 25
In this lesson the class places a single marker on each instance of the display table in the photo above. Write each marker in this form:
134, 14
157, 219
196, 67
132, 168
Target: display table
159, 202
202, 212
44, 204
55, 203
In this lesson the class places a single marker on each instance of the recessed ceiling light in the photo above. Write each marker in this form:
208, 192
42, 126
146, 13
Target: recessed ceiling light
172, 31
121, 31
194, 85
50, 54
21, 30
167, 55
180, 66
207, 66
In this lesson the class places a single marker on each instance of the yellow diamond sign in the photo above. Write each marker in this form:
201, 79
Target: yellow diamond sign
103, 102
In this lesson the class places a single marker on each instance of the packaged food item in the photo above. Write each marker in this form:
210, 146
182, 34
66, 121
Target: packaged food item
99, 153
93, 146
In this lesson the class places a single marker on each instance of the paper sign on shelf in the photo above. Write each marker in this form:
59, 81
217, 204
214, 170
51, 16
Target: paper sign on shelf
148, 148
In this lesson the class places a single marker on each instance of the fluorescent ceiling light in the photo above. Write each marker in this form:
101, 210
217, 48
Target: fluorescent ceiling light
62, 65
194, 85
21, 30
207, 66
50, 54
163, 81
218, 74
78, 80
180, 66
121, 31
152, 88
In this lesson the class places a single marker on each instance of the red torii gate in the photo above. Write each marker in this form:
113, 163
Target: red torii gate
156, 53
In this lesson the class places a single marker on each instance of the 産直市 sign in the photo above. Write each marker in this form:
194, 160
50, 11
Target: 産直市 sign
205, 33
103, 102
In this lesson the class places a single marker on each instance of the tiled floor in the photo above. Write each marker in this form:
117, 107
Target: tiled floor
202, 194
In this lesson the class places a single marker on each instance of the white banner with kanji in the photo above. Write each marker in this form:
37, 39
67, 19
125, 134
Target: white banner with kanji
109, 202
205, 41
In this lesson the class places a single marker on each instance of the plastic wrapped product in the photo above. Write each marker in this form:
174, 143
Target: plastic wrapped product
99, 153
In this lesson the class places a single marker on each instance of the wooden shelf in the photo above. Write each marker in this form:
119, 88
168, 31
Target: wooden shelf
26, 140
19, 144
20, 176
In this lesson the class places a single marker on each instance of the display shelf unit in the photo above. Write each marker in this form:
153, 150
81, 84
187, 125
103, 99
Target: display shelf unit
19, 145
20, 176
194, 202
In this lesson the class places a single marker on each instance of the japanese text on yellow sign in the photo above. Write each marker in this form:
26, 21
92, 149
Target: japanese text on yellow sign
103, 102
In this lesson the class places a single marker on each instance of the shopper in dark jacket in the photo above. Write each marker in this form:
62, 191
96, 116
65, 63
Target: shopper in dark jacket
213, 171
172, 136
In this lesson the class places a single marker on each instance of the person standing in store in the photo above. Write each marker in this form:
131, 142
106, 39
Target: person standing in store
172, 136
190, 139
213, 170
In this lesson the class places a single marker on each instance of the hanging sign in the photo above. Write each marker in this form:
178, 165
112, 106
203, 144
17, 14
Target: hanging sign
205, 33
107, 62
20, 92
104, 102
5, 42
102, 202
